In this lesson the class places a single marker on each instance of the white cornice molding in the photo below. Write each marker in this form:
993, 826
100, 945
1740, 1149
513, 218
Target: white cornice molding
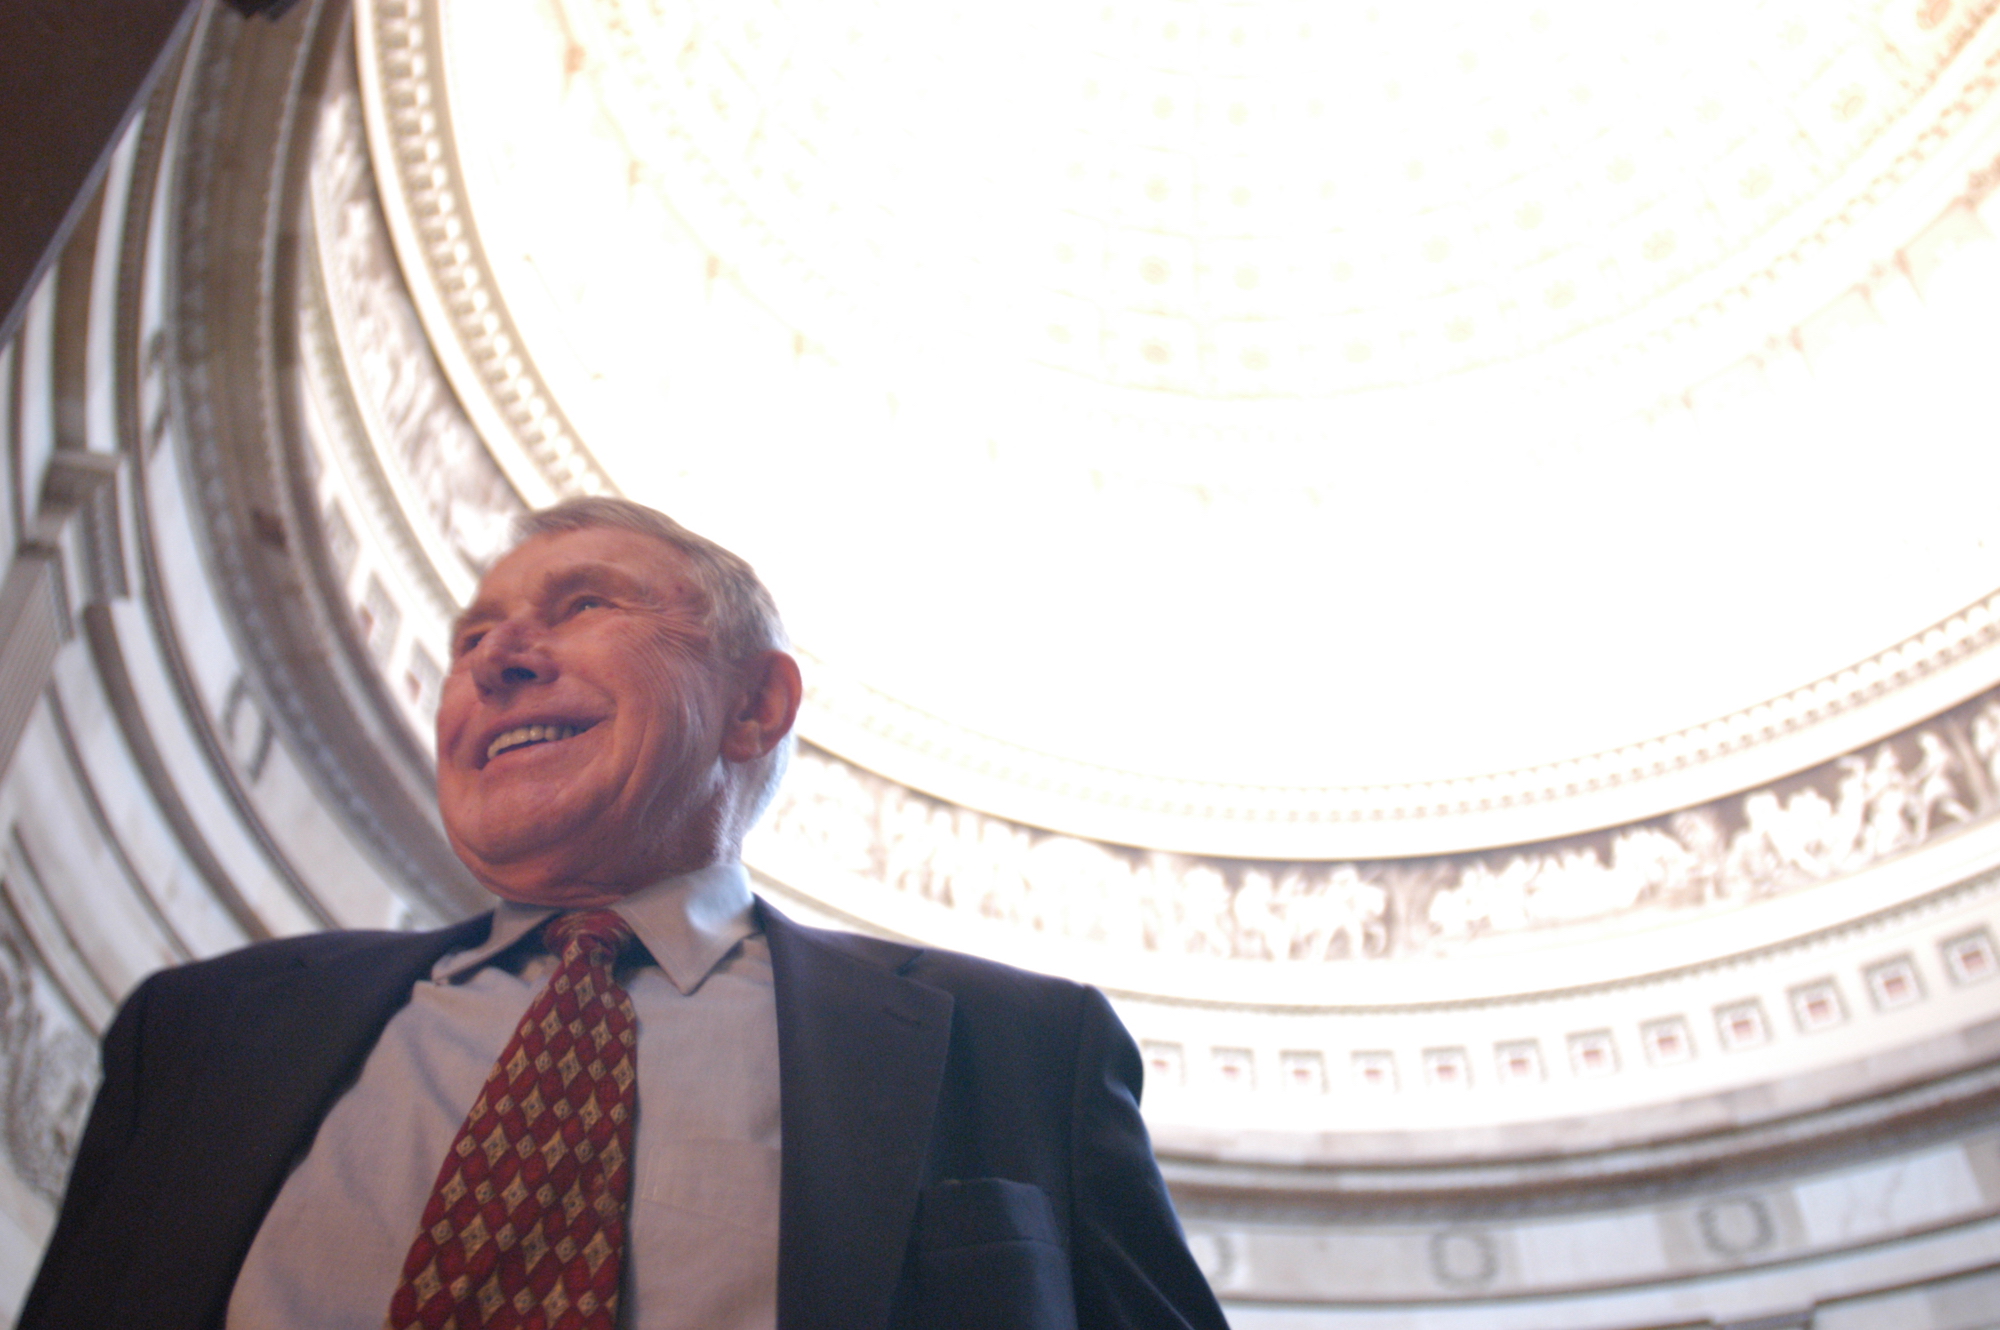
408, 114
1891, 690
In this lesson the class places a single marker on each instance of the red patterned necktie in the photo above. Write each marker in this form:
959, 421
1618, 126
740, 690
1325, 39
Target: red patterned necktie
526, 1224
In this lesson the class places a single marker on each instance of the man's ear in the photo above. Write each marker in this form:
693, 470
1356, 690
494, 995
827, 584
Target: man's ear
766, 705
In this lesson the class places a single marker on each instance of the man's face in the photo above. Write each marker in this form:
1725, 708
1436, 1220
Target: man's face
580, 731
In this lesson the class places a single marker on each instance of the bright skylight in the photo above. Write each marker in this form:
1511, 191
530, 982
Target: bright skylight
1275, 394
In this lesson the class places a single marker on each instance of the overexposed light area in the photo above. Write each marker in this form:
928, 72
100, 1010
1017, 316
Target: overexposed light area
1271, 394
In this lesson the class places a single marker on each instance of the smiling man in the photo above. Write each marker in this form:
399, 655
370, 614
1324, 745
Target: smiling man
632, 1095
599, 727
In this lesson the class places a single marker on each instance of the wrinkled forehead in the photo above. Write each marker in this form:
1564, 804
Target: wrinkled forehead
629, 564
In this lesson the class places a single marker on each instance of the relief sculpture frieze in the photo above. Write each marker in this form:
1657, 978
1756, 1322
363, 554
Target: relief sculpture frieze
426, 436
50, 1065
1834, 819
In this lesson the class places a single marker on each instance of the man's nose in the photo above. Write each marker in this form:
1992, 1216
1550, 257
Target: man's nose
511, 655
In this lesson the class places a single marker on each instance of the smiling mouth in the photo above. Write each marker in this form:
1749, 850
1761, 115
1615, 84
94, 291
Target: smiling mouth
527, 735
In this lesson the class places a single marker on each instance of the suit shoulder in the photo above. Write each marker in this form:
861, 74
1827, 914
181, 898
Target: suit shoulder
969, 979
259, 960
993, 980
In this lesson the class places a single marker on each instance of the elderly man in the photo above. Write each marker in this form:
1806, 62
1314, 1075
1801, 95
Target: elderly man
632, 1095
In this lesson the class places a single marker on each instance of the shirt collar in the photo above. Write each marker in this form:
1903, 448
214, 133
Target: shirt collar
688, 922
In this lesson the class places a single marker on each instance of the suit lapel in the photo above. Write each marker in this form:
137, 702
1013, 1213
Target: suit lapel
295, 1039
861, 1054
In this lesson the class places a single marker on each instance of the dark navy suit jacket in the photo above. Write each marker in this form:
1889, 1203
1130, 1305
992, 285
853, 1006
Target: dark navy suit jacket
962, 1142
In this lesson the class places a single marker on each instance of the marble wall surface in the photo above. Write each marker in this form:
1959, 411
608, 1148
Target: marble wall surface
154, 808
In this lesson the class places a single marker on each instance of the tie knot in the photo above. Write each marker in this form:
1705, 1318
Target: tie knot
603, 929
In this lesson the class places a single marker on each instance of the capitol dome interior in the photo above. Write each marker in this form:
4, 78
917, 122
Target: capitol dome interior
1446, 558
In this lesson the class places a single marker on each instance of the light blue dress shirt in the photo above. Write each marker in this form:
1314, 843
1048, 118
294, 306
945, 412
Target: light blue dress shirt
702, 1244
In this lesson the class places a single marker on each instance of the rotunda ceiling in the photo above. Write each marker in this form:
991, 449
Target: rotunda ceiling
1622, 706
1253, 429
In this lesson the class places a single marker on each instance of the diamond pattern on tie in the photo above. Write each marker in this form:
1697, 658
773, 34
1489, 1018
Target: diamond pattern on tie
525, 1229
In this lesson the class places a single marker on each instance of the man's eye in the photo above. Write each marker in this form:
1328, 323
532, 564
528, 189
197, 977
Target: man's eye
586, 603
467, 643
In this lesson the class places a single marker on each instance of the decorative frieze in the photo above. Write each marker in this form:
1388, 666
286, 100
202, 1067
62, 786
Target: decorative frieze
1843, 816
49, 1064
436, 468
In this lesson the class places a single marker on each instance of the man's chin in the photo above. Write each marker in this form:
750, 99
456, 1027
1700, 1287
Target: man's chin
537, 871
568, 895
566, 887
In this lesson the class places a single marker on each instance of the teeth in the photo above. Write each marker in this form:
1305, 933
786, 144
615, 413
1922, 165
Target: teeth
529, 734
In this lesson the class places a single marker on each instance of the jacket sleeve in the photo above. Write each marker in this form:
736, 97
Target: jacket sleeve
114, 1116
1130, 1261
